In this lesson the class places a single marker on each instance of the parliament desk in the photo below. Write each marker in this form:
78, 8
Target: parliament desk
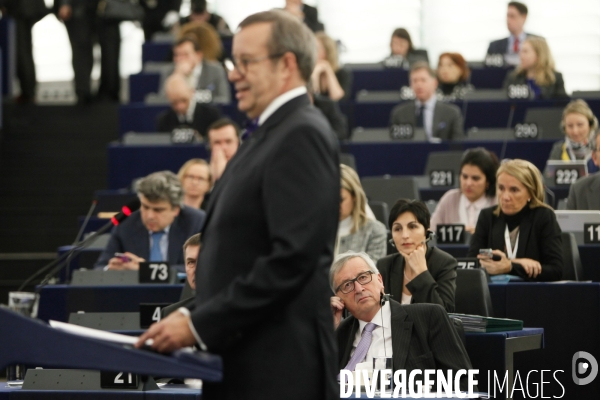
173, 392
58, 301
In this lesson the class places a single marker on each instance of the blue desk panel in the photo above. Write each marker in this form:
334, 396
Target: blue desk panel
58, 301
142, 84
177, 392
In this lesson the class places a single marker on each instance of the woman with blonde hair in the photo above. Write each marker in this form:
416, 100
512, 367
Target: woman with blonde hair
357, 231
521, 230
537, 71
196, 182
579, 125
206, 36
328, 78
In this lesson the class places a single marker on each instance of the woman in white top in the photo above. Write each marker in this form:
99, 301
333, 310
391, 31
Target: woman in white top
358, 229
477, 191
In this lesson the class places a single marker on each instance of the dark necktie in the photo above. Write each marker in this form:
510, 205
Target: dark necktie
251, 126
421, 117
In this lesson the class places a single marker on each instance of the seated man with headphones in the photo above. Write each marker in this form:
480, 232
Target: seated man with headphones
419, 336
417, 273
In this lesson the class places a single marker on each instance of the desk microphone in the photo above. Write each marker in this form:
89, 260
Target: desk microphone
56, 265
511, 115
80, 233
382, 301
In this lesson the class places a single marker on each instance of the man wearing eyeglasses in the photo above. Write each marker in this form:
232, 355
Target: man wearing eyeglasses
416, 336
262, 298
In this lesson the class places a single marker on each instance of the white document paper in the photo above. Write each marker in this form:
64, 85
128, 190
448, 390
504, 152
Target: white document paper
96, 333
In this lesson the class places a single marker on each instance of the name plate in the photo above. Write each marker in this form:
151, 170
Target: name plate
591, 233
406, 93
441, 178
150, 313
402, 132
451, 233
154, 272
183, 135
526, 131
494, 60
565, 176
468, 263
203, 96
118, 380
518, 92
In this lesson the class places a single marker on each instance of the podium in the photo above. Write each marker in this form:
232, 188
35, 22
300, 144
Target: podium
31, 342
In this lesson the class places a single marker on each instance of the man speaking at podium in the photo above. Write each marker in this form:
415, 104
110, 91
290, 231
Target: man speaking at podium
262, 289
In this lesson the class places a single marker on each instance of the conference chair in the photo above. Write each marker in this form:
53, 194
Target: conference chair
472, 293
444, 161
572, 267
381, 211
390, 189
348, 159
547, 121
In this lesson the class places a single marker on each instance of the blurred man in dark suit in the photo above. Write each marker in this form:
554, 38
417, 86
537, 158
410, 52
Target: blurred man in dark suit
262, 297
191, 248
441, 121
308, 14
185, 111
159, 16
223, 141
157, 231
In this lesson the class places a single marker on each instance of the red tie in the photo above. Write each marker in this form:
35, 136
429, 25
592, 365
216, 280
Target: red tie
516, 45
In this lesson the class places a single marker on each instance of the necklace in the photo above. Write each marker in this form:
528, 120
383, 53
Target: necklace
406, 277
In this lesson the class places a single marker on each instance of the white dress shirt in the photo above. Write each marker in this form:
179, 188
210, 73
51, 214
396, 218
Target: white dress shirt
377, 349
194, 77
469, 212
428, 114
279, 101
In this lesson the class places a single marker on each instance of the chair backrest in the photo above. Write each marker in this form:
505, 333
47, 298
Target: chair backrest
572, 267
444, 161
348, 159
472, 293
547, 121
159, 139
381, 211
490, 134
390, 189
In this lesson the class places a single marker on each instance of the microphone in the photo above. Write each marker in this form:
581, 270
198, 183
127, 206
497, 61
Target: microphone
511, 115
382, 301
56, 265
81, 230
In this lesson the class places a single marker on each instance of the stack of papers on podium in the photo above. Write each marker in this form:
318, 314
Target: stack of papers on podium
476, 323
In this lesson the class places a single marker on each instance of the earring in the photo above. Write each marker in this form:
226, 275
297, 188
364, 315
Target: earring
528, 200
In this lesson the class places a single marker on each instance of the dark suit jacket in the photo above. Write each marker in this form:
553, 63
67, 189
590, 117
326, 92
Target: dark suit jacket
204, 116
132, 236
447, 119
187, 303
552, 91
262, 277
585, 194
539, 239
437, 285
422, 338
501, 46
331, 111
311, 18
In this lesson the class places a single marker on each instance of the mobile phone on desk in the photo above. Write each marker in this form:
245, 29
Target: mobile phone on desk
122, 257
487, 253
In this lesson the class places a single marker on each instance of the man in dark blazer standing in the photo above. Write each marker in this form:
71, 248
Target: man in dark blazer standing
516, 16
441, 121
585, 193
417, 336
262, 299
158, 230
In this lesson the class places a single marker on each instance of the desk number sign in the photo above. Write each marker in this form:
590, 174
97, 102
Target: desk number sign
150, 313
566, 176
526, 131
154, 272
518, 92
118, 380
402, 131
441, 178
468, 263
449, 234
591, 233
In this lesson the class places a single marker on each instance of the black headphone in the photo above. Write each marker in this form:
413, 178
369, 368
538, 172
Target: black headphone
429, 234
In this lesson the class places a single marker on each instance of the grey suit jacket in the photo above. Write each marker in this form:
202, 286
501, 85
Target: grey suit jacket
447, 119
371, 238
422, 338
213, 78
501, 46
585, 194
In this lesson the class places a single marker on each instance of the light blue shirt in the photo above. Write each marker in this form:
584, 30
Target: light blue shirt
164, 243
428, 115
511, 42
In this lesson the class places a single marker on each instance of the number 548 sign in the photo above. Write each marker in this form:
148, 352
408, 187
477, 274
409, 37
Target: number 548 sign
154, 272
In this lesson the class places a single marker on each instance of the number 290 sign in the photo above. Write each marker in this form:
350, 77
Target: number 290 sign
154, 272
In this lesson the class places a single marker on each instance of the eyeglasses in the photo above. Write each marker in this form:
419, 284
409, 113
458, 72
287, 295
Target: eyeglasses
196, 178
363, 278
241, 64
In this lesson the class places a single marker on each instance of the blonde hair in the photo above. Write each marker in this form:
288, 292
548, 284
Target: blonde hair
544, 66
580, 107
351, 182
331, 51
188, 164
206, 36
529, 176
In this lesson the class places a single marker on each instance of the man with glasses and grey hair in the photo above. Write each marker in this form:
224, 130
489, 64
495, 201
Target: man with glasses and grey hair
157, 231
262, 297
585, 193
416, 336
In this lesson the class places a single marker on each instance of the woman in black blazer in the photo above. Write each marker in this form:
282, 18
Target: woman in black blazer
537, 71
418, 273
522, 230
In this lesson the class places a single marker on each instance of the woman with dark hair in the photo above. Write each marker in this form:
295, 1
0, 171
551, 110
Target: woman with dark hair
417, 273
403, 54
453, 75
477, 191
521, 230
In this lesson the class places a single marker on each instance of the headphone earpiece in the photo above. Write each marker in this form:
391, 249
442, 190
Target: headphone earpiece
391, 242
